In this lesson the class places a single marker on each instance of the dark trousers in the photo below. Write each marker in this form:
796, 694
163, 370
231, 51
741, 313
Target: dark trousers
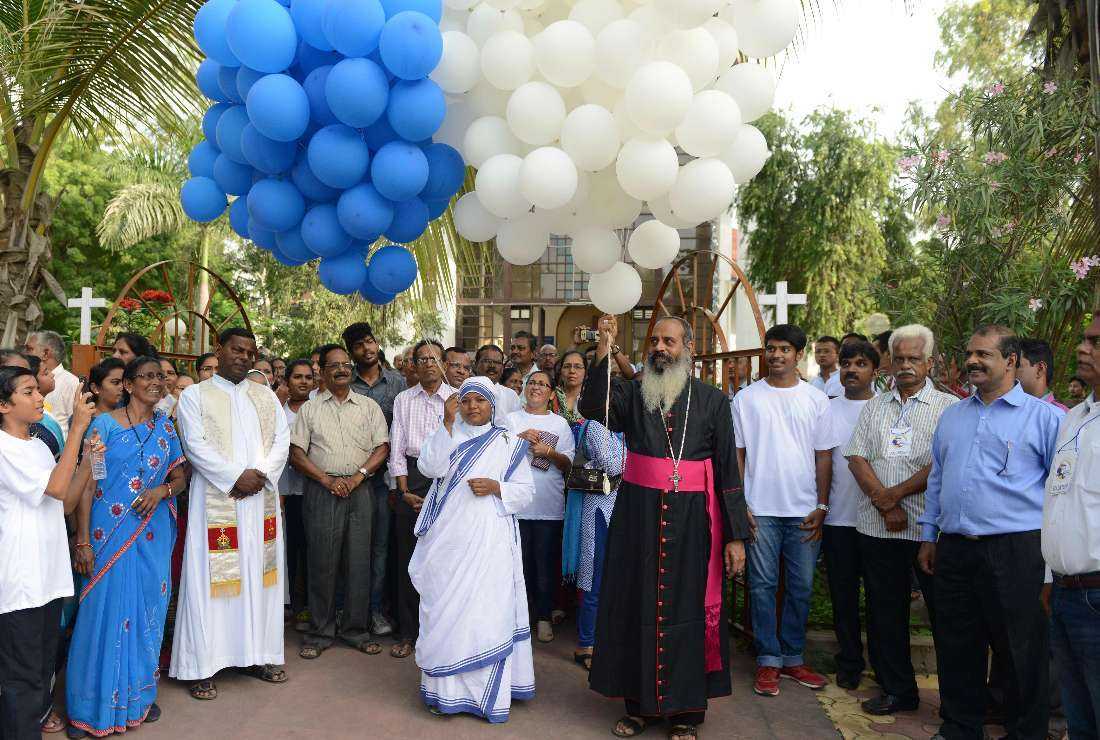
685, 718
28, 649
842, 564
541, 542
297, 548
1075, 642
987, 596
408, 600
887, 577
339, 532
381, 541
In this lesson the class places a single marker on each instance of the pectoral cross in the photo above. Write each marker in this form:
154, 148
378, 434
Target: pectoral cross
676, 478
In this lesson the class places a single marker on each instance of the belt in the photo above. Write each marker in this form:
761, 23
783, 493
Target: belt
1081, 580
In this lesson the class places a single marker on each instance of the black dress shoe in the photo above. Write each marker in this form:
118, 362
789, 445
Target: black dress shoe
847, 682
888, 704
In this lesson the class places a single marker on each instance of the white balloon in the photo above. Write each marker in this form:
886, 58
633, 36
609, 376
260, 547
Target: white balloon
710, 125
472, 221
620, 50
765, 27
647, 168
565, 220
725, 36
565, 53
485, 20
653, 244
536, 113
704, 189
548, 178
591, 137
596, 14
694, 51
532, 5
454, 20
503, 4
457, 71
487, 100
487, 137
522, 241
507, 60
662, 211
459, 4
595, 249
596, 91
607, 204
747, 155
497, 185
627, 128
616, 291
687, 13
752, 85
455, 123
658, 97
648, 17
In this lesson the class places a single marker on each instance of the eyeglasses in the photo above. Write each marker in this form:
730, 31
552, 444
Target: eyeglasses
458, 364
572, 367
340, 365
149, 377
487, 361
430, 360
537, 384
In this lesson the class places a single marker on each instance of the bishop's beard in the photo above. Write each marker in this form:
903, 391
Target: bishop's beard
663, 383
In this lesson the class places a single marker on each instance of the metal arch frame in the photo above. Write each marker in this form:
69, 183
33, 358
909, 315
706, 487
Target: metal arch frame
175, 310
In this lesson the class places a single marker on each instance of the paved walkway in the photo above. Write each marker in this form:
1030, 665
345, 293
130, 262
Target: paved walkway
346, 694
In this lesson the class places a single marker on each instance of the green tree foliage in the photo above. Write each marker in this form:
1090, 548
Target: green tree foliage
824, 216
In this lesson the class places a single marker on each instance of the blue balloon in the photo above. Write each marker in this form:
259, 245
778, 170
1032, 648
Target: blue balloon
238, 217
437, 208
307, 182
446, 172
282, 257
310, 58
278, 107
431, 8
230, 127
291, 244
410, 45
379, 133
233, 178
207, 80
261, 237
227, 83
338, 156
392, 269
261, 33
200, 162
314, 85
202, 199
210, 120
246, 78
416, 109
276, 204
363, 212
322, 233
209, 28
373, 294
344, 273
399, 170
410, 219
353, 26
307, 15
267, 155
357, 92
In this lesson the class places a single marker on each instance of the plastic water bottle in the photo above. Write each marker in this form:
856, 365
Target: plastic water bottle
99, 461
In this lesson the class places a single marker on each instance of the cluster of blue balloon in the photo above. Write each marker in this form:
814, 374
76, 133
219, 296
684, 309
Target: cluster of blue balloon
322, 128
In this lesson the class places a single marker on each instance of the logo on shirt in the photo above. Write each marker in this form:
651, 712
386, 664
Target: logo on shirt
1063, 470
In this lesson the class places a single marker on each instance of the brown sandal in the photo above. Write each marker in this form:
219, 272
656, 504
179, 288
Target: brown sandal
402, 649
689, 731
204, 690
309, 652
370, 648
52, 724
631, 726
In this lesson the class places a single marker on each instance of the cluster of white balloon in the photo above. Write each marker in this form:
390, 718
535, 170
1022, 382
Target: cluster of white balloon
572, 112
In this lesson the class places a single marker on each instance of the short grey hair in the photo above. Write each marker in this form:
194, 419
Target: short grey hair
689, 334
52, 340
914, 331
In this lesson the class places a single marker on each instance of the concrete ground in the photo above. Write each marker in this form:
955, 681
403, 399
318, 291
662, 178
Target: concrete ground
346, 694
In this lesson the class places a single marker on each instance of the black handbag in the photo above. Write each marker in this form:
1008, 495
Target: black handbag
588, 480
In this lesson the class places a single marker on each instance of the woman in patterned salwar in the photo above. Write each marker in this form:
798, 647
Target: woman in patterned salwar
124, 545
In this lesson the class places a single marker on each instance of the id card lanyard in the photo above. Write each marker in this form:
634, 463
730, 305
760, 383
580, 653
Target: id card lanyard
899, 442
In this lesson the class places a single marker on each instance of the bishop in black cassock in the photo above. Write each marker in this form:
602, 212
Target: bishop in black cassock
661, 643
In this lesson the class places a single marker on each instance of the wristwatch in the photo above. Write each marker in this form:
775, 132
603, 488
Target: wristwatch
363, 470
822, 507
615, 349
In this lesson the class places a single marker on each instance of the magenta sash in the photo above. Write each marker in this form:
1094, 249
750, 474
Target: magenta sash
696, 476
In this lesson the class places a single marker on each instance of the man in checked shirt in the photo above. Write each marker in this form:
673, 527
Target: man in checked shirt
417, 412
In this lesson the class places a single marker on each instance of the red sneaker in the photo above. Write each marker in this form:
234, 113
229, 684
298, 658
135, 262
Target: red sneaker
767, 681
805, 676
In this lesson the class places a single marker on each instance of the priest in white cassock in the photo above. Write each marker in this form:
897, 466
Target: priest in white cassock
230, 610
474, 649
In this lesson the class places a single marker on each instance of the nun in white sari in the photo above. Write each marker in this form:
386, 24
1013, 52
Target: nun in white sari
474, 648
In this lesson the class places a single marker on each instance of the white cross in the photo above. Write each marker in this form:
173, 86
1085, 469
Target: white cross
86, 303
781, 300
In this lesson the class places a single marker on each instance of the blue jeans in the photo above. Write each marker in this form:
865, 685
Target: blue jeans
1075, 642
541, 542
380, 542
586, 615
780, 537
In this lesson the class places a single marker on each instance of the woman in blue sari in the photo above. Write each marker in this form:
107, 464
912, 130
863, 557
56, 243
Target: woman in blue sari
124, 549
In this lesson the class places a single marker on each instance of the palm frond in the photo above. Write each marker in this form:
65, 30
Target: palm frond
141, 211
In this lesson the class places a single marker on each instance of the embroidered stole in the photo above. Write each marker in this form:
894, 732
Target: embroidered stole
221, 510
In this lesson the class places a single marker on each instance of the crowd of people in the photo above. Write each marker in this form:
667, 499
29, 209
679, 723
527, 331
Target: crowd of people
459, 502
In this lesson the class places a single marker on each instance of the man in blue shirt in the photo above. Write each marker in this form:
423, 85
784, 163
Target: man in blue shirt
980, 535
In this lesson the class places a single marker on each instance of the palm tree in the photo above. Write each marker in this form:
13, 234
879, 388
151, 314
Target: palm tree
88, 68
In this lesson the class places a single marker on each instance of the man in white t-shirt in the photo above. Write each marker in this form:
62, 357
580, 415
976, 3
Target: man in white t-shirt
784, 451
489, 361
840, 543
826, 355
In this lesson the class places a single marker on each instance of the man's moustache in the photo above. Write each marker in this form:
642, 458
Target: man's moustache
975, 369
850, 376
